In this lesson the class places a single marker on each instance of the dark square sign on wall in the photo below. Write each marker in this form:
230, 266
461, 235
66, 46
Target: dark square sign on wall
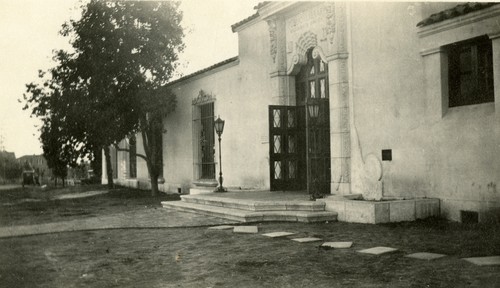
387, 155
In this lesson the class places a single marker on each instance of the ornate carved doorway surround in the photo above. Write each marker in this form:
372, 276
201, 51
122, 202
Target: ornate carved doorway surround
298, 32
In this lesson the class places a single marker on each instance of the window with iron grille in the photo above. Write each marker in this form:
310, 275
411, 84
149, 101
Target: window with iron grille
207, 142
470, 65
114, 161
132, 157
160, 154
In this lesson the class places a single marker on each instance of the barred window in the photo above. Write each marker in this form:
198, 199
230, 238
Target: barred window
132, 157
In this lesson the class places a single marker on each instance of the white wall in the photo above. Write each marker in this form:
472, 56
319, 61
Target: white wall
242, 92
454, 158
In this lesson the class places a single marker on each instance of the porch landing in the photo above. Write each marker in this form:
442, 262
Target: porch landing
255, 206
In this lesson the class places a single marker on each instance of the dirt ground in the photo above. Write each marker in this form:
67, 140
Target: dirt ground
33, 205
198, 257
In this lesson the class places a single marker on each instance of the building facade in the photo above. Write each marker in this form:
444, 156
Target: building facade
387, 100
38, 163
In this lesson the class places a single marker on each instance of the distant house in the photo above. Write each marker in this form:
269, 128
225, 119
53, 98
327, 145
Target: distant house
7, 161
37, 163
385, 99
7, 155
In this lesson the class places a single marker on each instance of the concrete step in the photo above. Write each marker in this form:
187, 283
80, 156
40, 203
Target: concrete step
251, 216
201, 190
253, 205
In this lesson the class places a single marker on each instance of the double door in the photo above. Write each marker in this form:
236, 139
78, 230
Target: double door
299, 146
299, 136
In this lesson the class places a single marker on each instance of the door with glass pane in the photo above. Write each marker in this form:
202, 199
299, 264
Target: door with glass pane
312, 92
287, 148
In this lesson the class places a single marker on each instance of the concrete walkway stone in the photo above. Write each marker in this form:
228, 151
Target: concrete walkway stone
484, 261
221, 227
278, 234
246, 229
307, 239
80, 195
378, 250
337, 245
147, 218
425, 256
9, 186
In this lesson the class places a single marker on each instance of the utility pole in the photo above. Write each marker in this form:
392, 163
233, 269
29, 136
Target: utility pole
4, 155
2, 147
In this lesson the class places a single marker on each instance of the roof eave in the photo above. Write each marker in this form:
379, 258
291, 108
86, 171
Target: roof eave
237, 27
469, 18
452, 13
211, 69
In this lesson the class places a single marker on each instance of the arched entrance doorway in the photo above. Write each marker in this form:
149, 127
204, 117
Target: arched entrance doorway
300, 135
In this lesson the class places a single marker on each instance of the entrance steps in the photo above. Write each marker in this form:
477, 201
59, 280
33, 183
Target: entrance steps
247, 210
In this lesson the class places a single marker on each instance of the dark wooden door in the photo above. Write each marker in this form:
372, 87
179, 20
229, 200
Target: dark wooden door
312, 92
287, 148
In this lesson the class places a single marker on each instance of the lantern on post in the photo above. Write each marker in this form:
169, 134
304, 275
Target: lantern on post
313, 110
219, 128
312, 138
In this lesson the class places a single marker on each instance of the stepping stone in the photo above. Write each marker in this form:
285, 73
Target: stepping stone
484, 261
306, 239
425, 256
378, 250
221, 227
246, 229
337, 245
278, 234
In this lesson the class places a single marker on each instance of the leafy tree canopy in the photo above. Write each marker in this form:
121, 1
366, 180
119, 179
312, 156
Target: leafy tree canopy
112, 85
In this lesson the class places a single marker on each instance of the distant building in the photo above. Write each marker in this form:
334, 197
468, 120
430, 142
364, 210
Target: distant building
7, 161
37, 163
7, 155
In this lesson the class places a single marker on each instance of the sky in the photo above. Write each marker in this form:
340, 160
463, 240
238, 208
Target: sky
29, 33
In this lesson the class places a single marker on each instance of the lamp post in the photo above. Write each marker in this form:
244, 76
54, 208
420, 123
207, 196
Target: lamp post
219, 128
312, 182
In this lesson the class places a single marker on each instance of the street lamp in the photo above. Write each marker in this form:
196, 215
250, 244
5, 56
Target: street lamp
312, 182
219, 128
313, 110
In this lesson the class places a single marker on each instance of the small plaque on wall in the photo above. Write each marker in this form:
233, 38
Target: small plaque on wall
387, 155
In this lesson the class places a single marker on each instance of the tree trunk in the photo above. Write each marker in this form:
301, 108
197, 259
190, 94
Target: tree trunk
55, 181
153, 174
63, 181
109, 169
96, 164
154, 186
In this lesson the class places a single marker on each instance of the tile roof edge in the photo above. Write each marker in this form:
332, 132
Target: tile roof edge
261, 4
214, 66
246, 20
457, 11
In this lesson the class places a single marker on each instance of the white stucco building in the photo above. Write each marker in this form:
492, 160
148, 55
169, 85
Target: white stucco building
407, 98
